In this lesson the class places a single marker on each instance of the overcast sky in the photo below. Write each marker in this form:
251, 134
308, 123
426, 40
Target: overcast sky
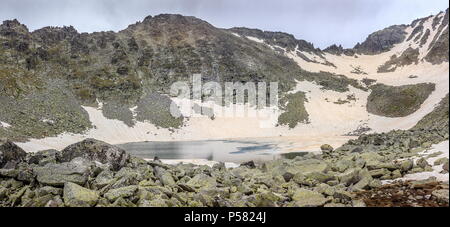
322, 22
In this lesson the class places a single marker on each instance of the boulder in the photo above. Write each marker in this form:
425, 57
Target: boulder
422, 163
77, 196
123, 192
308, 166
342, 165
407, 165
325, 189
288, 177
326, 148
3, 192
396, 174
349, 177
42, 158
441, 161
9, 173
335, 205
267, 199
321, 177
301, 179
307, 198
10, 154
76, 171
48, 190
420, 184
202, 181
357, 150
343, 195
55, 202
364, 182
104, 178
441, 195
445, 167
250, 164
164, 176
96, 151
378, 173
358, 203
40, 201
376, 183
281, 167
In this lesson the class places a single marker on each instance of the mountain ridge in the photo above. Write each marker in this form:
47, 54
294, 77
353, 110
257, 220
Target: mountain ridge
126, 69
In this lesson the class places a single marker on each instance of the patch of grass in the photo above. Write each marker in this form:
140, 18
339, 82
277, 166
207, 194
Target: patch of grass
410, 56
389, 101
295, 112
155, 108
438, 118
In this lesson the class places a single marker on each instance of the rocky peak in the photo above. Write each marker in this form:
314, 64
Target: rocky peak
334, 49
382, 40
172, 28
174, 21
13, 28
52, 35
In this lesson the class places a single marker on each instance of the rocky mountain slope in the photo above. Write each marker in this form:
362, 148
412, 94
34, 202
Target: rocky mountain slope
56, 81
387, 97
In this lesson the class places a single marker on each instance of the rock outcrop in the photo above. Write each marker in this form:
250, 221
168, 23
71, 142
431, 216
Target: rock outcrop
96, 151
92, 173
10, 154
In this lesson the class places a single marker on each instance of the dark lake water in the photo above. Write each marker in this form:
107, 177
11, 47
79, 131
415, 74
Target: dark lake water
214, 150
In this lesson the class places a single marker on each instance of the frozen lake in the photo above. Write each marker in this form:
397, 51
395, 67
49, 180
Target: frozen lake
212, 150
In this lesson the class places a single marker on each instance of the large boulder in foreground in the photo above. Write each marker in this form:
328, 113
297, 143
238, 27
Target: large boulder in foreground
10, 154
307, 198
53, 174
97, 151
77, 196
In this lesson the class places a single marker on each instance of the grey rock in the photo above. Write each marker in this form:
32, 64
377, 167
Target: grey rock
378, 173
349, 177
57, 175
10, 154
441, 195
422, 163
307, 198
445, 167
97, 151
77, 196
440, 161
104, 178
250, 164
358, 203
48, 190
343, 195
407, 165
124, 192
164, 176
42, 158
202, 181
3, 192
326, 148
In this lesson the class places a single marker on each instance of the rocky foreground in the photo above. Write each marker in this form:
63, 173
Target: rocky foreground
95, 174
